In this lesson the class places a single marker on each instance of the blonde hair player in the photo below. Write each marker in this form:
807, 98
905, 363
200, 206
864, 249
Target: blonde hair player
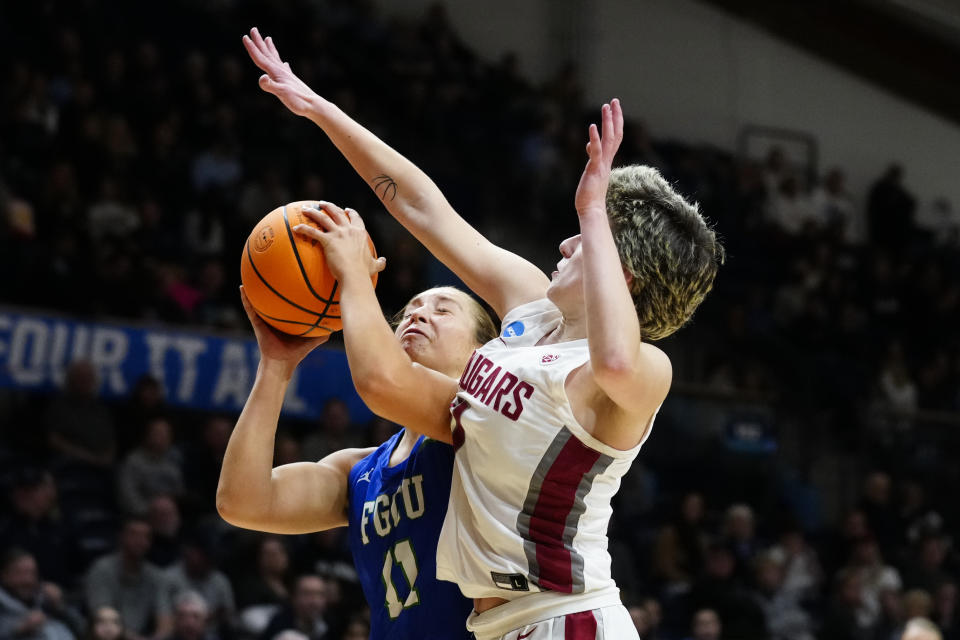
548, 417
392, 498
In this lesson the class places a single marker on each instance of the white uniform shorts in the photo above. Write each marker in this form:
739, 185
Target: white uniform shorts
513, 621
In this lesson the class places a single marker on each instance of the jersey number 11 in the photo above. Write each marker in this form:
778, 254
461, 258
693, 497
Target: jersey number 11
403, 555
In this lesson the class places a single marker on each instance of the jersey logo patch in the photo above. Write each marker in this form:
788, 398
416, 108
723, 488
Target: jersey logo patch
365, 476
514, 329
511, 581
550, 357
527, 634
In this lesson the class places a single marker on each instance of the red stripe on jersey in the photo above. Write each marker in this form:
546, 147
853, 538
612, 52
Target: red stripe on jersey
557, 495
580, 626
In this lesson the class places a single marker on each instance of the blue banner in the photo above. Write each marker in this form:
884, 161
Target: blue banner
197, 370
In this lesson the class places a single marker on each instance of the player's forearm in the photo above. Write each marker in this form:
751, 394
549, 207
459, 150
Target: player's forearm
393, 386
613, 333
407, 192
245, 485
375, 357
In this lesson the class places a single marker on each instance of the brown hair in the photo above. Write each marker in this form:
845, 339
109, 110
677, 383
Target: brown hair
665, 244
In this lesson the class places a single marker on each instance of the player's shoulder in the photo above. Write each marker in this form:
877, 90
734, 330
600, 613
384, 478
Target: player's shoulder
374, 457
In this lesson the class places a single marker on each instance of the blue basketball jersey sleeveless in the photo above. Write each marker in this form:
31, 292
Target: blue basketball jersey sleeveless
395, 515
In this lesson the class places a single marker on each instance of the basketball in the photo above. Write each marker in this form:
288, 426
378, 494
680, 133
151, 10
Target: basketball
286, 277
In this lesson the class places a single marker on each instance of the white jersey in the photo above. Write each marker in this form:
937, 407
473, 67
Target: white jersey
530, 498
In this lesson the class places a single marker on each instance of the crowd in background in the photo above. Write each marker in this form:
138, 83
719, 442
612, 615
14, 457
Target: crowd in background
137, 152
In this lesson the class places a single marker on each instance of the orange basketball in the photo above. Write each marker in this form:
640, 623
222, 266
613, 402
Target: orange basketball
286, 277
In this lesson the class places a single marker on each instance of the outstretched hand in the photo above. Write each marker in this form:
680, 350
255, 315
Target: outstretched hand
277, 346
343, 238
592, 190
278, 78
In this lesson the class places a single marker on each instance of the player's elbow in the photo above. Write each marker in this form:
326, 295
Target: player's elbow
612, 368
233, 508
227, 505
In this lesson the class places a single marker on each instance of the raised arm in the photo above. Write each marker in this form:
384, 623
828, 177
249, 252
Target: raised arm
390, 383
293, 498
503, 279
633, 374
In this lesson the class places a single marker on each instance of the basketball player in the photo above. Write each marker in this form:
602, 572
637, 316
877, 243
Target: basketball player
549, 416
392, 498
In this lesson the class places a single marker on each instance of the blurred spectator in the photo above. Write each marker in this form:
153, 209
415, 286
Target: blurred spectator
920, 629
841, 621
105, 624
877, 579
946, 227
335, 432
80, 427
917, 517
359, 629
802, 574
776, 168
305, 612
151, 470
145, 402
898, 390
110, 216
679, 549
946, 613
261, 592
166, 524
890, 210
917, 603
127, 582
197, 572
287, 449
641, 621
720, 589
739, 533
34, 525
879, 510
834, 207
28, 608
790, 209
654, 617
706, 625
191, 618
839, 545
785, 618
203, 462
326, 553
925, 569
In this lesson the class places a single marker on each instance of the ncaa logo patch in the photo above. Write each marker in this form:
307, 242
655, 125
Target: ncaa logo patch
514, 329
550, 357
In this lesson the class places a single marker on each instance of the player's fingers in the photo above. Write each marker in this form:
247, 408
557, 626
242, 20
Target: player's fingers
321, 218
379, 265
354, 217
272, 48
334, 212
606, 122
594, 146
311, 233
268, 52
257, 40
617, 118
255, 54
268, 84
247, 306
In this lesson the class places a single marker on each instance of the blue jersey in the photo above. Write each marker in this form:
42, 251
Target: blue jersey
395, 515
